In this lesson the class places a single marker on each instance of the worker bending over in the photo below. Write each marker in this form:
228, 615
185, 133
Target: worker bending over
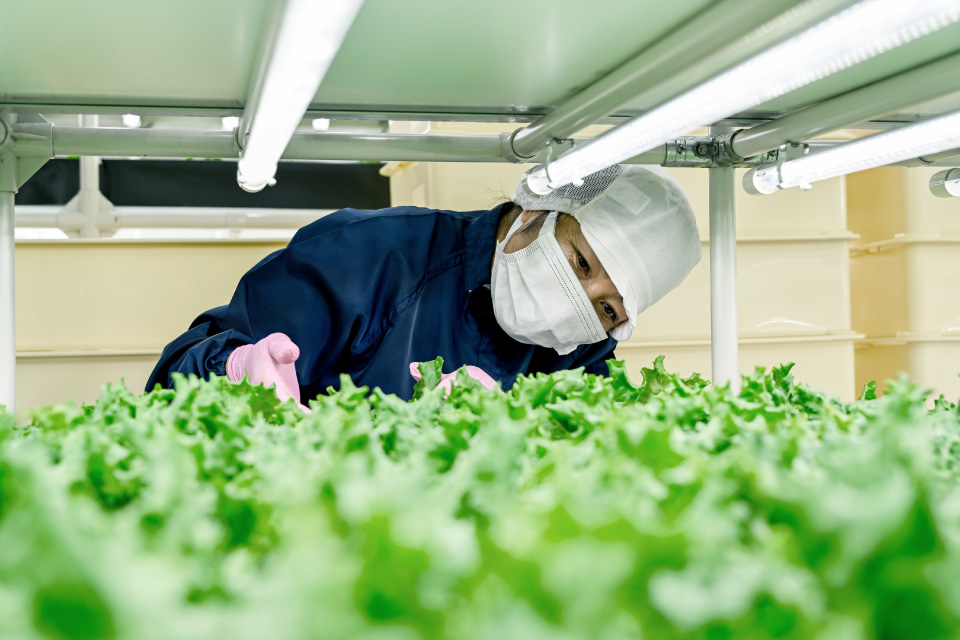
540, 284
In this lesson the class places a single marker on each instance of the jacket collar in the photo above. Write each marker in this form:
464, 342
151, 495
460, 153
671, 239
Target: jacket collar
480, 238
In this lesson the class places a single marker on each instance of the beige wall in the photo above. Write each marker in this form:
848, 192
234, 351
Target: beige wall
93, 311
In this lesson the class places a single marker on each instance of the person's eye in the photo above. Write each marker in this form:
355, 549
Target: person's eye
583, 262
610, 311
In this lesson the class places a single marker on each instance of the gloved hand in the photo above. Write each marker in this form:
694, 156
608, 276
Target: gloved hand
447, 380
268, 362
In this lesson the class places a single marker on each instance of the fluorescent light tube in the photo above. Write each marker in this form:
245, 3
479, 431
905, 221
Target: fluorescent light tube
911, 141
321, 124
946, 184
858, 33
230, 123
130, 120
308, 38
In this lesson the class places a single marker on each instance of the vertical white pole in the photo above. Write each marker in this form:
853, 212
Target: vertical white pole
723, 275
89, 201
8, 346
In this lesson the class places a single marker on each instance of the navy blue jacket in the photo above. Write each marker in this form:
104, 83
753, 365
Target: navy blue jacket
367, 293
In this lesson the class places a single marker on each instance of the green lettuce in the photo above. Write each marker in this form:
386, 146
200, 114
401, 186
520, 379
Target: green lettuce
572, 506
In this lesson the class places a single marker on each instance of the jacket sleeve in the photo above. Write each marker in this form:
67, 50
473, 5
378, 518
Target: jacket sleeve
201, 350
331, 290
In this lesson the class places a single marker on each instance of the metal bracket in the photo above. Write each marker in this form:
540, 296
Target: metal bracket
32, 139
552, 149
789, 151
711, 152
726, 156
761, 160
692, 151
506, 148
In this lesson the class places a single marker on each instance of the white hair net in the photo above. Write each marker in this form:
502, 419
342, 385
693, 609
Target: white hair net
640, 225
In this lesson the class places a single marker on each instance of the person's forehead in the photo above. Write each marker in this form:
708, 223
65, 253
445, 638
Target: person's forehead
579, 239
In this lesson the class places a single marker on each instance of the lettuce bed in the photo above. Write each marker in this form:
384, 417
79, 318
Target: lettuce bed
574, 506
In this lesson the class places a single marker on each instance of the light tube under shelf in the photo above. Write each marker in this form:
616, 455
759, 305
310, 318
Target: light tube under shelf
308, 38
907, 142
861, 32
946, 184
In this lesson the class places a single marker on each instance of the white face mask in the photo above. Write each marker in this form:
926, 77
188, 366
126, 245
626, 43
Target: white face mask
537, 298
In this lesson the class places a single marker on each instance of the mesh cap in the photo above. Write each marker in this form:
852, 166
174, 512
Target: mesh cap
640, 225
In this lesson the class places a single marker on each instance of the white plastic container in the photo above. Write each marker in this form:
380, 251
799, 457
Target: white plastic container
55, 377
123, 294
929, 361
819, 211
891, 202
906, 286
786, 286
825, 362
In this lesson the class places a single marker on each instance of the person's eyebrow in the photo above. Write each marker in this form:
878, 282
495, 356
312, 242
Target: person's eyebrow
579, 247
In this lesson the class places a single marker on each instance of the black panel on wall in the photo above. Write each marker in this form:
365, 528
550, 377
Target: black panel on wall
199, 183
55, 183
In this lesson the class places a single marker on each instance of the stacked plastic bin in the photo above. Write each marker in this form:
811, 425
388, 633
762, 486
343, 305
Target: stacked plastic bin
89, 311
906, 278
793, 289
793, 271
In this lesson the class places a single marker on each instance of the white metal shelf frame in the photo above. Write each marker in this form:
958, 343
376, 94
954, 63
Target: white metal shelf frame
27, 141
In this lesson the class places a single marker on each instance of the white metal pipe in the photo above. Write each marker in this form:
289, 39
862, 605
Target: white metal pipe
188, 143
8, 344
158, 143
42, 216
723, 276
172, 218
214, 218
88, 201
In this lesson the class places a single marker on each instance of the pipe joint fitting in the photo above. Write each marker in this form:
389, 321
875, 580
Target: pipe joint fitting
507, 151
726, 156
33, 139
692, 151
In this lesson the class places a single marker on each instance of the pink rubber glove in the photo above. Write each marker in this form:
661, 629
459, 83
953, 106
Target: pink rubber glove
447, 380
270, 363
